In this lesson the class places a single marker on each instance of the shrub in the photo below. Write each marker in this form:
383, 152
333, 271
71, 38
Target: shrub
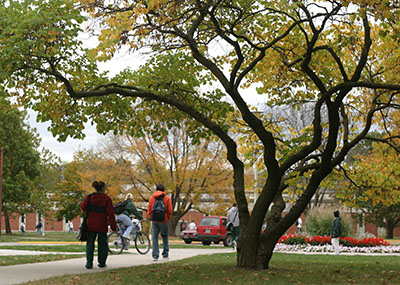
318, 222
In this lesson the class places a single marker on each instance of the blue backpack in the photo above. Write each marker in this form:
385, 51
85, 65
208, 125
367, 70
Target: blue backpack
158, 212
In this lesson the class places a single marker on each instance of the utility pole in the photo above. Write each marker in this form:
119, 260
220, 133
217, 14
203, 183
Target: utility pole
1, 185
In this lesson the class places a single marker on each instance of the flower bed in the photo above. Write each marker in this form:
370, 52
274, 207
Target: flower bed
281, 247
323, 244
326, 240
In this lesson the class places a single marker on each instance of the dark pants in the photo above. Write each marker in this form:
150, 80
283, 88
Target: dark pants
235, 235
102, 249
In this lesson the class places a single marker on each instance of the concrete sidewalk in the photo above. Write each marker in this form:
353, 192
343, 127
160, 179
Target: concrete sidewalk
16, 274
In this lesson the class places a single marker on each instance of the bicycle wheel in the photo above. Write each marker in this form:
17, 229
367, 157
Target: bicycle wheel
142, 242
115, 243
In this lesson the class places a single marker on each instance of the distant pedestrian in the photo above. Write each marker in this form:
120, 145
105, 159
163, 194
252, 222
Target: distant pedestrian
22, 228
159, 210
299, 224
183, 226
39, 227
71, 227
192, 225
100, 214
336, 231
233, 217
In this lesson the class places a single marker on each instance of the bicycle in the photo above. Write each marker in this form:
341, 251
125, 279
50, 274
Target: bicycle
117, 243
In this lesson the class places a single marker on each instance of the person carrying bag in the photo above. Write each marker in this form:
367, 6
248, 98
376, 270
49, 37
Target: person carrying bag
99, 215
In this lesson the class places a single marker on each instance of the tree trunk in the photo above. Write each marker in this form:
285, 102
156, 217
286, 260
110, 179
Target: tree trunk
7, 222
172, 225
389, 230
255, 252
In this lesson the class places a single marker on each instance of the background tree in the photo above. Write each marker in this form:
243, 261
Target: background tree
21, 164
45, 184
78, 176
376, 195
194, 173
341, 56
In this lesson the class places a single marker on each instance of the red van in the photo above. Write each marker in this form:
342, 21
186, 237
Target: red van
213, 229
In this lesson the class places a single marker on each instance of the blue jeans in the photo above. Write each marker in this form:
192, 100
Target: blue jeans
158, 228
127, 222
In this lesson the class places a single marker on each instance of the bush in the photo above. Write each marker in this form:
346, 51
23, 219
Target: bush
318, 222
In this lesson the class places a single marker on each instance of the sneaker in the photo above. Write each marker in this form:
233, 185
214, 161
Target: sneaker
155, 259
165, 257
88, 266
102, 266
126, 237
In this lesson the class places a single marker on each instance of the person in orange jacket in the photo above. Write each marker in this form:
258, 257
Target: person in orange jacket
159, 210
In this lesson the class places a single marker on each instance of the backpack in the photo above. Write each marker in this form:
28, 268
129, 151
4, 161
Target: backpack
120, 207
297, 223
158, 212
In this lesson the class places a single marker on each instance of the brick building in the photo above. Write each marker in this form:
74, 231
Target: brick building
32, 219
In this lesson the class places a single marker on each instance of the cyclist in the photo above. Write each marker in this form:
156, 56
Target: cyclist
124, 217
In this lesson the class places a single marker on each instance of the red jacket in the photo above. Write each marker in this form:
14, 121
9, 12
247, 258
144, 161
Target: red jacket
167, 204
101, 214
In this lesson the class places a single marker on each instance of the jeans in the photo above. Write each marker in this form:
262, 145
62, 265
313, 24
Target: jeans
158, 228
335, 243
127, 222
102, 249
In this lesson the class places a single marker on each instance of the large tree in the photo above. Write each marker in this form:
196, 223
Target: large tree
341, 56
195, 174
21, 165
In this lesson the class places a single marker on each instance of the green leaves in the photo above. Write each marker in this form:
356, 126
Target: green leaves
21, 158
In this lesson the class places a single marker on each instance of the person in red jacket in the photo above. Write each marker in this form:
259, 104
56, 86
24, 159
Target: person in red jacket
100, 215
160, 226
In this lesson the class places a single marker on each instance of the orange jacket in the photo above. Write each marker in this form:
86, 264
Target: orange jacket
167, 204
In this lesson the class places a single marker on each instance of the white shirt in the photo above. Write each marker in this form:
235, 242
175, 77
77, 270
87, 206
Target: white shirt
299, 222
192, 226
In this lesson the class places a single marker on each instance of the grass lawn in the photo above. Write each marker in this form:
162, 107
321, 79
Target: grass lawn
51, 248
32, 236
23, 259
220, 269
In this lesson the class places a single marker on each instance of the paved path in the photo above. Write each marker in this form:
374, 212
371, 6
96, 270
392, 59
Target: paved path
16, 274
